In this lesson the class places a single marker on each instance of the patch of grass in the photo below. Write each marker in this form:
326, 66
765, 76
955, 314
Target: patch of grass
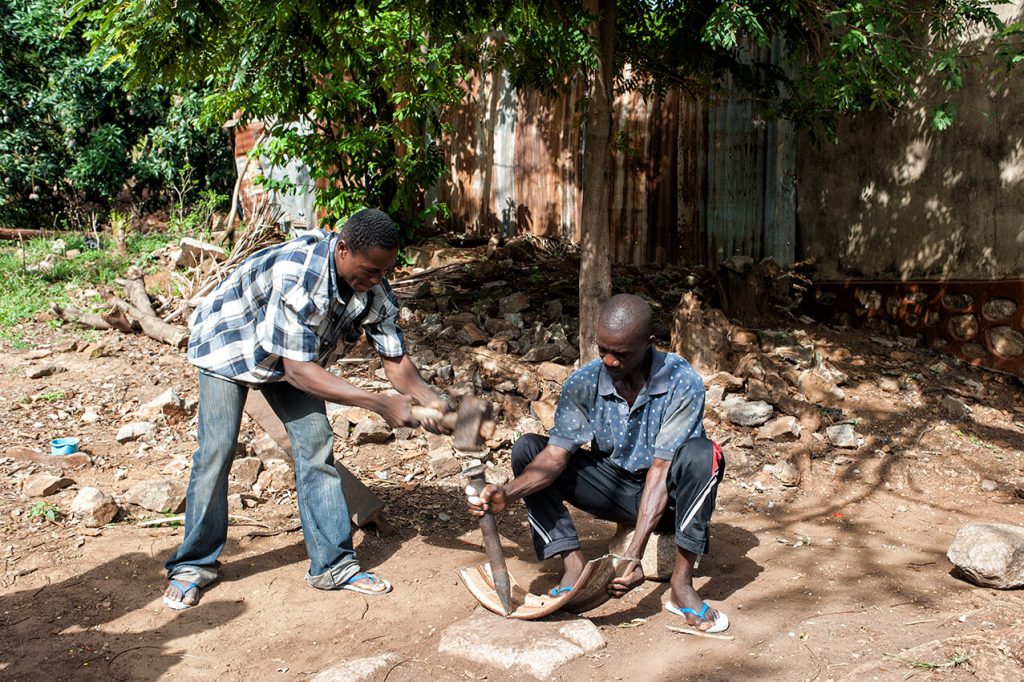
52, 396
954, 661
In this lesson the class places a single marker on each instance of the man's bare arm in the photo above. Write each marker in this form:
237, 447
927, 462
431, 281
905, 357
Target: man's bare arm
546, 467
653, 502
317, 381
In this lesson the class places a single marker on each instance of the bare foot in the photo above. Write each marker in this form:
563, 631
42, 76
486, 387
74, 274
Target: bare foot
574, 561
184, 593
684, 596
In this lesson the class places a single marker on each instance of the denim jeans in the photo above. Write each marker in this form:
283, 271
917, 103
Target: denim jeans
326, 527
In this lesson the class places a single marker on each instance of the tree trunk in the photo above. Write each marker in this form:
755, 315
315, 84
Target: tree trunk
595, 228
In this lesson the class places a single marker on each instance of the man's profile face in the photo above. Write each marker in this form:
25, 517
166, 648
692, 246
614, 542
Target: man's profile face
364, 271
623, 352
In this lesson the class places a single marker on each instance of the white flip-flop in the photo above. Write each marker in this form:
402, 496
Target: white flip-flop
721, 623
363, 575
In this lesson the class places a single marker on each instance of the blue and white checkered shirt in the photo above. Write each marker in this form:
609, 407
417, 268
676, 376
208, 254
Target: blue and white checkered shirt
668, 412
287, 301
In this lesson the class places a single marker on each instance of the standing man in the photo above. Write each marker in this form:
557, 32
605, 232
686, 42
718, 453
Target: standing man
273, 325
649, 462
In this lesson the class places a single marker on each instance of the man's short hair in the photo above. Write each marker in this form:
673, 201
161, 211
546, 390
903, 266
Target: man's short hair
370, 228
625, 312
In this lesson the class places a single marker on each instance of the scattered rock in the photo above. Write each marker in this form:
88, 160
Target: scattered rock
43, 370
94, 507
785, 471
989, 554
90, 416
550, 371
889, 384
820, 390
842, 436
989, 486
513, 303
724, 379
246, 470
471, 335
277, 475
158, 496
543, 353
536, 648
135, 431
659, 557
743, 413
42, 485
544, 410
354, 671
780, 429
266, 448
955, 408
166, 404
371, 430
443, 462
38, 354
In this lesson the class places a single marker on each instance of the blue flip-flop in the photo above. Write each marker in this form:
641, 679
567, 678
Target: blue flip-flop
363, 575
180, 605
558, 591
721, 623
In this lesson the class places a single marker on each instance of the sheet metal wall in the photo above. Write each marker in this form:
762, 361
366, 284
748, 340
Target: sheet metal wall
515, 167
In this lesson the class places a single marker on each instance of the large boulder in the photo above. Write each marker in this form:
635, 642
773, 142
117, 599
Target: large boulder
989, 554
659, 557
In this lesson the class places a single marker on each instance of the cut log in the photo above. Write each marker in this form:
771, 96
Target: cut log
75, 316
152, 325
17, 234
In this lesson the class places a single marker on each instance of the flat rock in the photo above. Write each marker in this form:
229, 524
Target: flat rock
725, 379
373, 429
955, 408
135, 431
43, 370
94, 507
355, 670
780, 429
659, 557
164, 405
543, 353
444, 463
191, 252
842, 436
989, 554
744, 413
513, 303
550, 371
536, 648
889, 384
820, 390
246, 470
41, 485
471, 335
158, 496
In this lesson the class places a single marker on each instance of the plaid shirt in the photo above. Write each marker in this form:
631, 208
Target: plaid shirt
287, 301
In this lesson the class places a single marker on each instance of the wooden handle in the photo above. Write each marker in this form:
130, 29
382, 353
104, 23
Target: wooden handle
422, 414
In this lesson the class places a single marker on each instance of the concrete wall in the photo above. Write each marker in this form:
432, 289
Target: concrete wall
897, 200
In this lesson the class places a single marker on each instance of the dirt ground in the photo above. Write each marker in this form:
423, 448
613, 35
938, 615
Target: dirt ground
840, 577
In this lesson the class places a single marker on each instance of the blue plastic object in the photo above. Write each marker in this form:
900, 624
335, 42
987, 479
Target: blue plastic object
63, 446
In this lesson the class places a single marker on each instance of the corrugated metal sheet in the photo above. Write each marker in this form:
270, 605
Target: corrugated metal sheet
751, 190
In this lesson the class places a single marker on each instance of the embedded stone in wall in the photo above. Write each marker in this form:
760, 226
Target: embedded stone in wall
931, 318
1006, 341
999, 309
975, 351
958, 302
964, 327
871, 299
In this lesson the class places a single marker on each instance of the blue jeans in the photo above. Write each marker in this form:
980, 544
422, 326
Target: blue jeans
326, 527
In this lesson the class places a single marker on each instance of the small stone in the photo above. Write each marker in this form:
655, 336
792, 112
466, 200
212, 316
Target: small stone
820, 390
513, 303
42, 485
784, 470
543, 353
43, 370
38, 354
544, 410
158, 496
164, 405
724, 379
266, 448
842, 436
90, 416
889, 384
246, 470
989, 554
780, 429
235, 502
94, 507
277, 475
743, 413
135, 431
471, 335
192, 252
955, 408
989, 486
550, 371
371, 430
354, 671
443, 463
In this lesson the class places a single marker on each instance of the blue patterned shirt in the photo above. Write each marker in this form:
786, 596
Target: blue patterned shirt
287, 301
668, 412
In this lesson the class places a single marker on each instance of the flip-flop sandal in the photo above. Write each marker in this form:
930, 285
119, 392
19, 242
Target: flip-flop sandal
376, 580
721, 624
180, 605
558, 591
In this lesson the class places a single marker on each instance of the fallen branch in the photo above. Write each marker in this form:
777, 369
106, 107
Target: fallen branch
180, 518
152, 325
73, 315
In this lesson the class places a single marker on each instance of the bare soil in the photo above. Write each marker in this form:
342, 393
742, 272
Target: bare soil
840, 577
